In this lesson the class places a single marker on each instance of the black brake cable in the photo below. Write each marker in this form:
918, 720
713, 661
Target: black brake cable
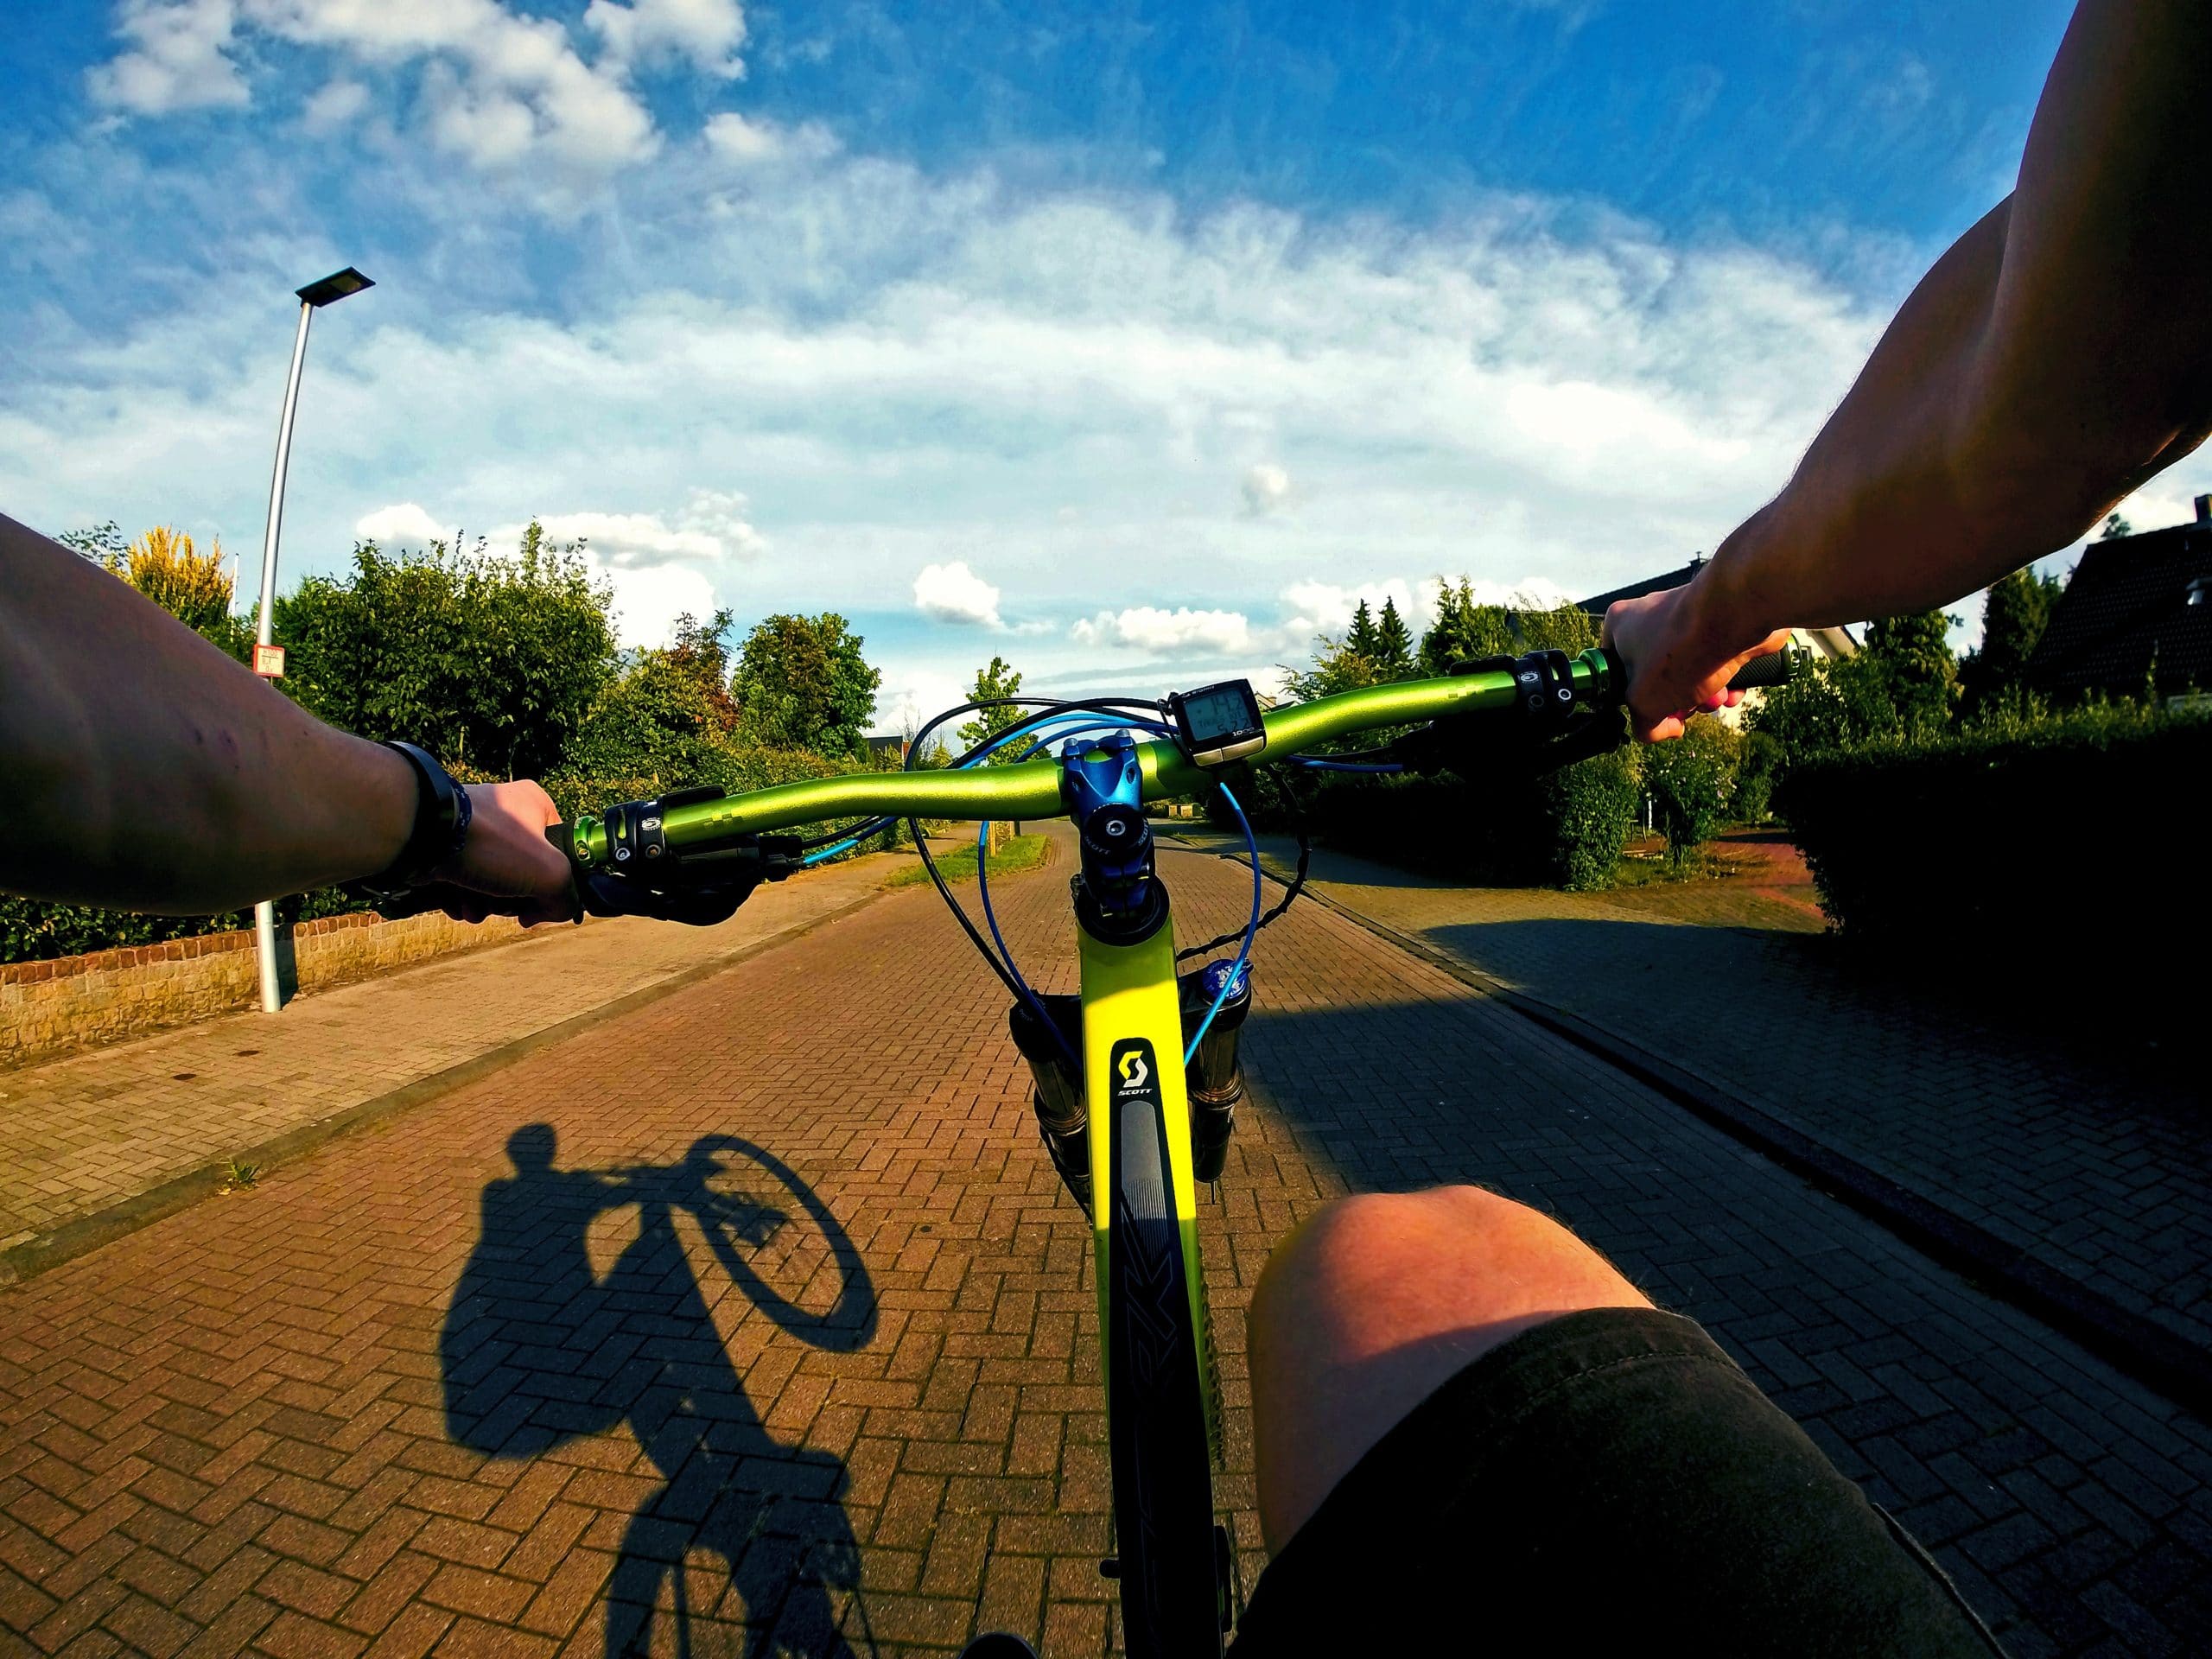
1297, 880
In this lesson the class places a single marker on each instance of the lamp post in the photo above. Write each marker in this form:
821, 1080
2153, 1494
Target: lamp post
313, 298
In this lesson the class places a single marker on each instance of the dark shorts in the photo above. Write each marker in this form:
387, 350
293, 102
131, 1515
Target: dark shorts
1609, 1481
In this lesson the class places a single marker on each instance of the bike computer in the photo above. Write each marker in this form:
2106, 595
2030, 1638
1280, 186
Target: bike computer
1218, 723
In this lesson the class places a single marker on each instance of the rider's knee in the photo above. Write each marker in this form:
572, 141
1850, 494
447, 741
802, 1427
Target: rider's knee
1374, 1302
1379, 1269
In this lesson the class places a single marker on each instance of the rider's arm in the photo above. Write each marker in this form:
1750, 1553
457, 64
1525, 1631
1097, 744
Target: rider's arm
144, 770
2057, 356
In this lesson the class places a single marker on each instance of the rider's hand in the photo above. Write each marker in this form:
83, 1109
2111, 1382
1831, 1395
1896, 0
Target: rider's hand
506, 867
1679, 662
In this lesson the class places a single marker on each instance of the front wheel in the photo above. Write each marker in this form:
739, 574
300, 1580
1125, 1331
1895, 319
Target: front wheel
1173, 1595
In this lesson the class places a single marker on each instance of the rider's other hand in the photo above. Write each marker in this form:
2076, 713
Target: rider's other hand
1679, 665
506, 867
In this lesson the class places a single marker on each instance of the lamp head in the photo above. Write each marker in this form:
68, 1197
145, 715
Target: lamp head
335, 287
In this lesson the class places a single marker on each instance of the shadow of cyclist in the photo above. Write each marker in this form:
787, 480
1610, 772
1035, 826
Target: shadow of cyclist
537, 1350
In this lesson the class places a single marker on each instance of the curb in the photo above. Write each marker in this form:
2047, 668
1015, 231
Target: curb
87, 1232
2158, 1359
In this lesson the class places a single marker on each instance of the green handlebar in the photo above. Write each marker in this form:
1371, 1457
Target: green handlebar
1031, 789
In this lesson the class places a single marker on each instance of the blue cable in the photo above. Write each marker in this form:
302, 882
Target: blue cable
1078, 722
1089, 719
1251, 928
1350, 765
1093, 722
983, 888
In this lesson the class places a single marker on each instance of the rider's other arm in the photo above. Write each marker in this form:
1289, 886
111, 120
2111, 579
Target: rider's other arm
144, 770
2055, 357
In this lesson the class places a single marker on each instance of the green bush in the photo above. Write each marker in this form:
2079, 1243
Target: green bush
34, 931
1692, 780
1564, 829
1759, 768
491, 662
2044, 834
1588, 813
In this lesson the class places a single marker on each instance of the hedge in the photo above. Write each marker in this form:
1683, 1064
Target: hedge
2078, 831
1565, 830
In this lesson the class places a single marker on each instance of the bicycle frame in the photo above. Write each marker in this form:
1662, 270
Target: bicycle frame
1133, 1067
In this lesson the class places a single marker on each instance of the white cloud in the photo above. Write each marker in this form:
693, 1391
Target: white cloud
648, 600
334, 106
710, 529
1184, 631
707, 32
500, 89
178, 58
1267, 487
747, 142
405, 524
894, 365
953, 593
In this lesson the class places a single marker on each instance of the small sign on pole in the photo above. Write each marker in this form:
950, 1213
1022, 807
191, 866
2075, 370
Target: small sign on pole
269, 662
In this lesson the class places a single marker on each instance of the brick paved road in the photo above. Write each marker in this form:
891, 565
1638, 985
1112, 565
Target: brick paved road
264, 1424
84, 1133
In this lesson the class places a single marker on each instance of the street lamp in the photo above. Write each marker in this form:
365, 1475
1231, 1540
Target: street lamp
331, 289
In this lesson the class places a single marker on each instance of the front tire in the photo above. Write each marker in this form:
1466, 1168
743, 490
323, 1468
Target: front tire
1171, 1596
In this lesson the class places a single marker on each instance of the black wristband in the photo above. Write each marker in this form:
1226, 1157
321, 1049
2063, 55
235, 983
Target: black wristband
443, 810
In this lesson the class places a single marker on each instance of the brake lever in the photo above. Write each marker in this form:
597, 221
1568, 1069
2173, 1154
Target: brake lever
1551, 732
701, 888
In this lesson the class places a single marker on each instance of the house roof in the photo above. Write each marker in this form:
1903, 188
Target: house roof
2131, 601
1595, 605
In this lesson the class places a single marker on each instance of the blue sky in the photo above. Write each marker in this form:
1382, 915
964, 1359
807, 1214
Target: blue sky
1130, 342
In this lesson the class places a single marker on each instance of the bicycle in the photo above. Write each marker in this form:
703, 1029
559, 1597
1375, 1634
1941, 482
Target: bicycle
1121, 1114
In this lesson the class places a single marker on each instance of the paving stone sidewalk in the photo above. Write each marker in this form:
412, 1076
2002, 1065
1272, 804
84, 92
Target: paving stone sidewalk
2096, 1173
88, 1137
757, 1315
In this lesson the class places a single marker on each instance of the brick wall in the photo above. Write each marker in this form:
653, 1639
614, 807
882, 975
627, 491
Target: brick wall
50, 1007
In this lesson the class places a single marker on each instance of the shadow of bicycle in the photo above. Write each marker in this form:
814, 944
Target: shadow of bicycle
539, 1349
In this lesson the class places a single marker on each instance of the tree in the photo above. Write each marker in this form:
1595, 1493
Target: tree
668, 718
490, 662
1337, 667
103, 544
2013, 619
1360, 638
1466, 631
1564, 627
164, 566
2115, 527
1463, 630
996, 681
1913, 655
1393, 653
802, 683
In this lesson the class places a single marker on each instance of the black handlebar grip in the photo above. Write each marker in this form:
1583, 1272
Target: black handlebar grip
1773, 669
